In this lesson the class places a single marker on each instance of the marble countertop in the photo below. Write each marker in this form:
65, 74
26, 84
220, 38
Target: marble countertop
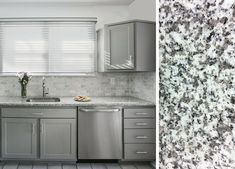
68, 101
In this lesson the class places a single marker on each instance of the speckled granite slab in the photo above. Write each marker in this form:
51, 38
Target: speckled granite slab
197, 70
68, 101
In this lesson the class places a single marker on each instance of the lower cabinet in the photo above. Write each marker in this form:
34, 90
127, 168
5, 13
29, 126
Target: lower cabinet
58, 139
19, 138
140, 151
39, 134
139, 134
51, 134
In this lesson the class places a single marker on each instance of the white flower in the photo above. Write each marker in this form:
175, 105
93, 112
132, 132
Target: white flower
20, 75
24, 77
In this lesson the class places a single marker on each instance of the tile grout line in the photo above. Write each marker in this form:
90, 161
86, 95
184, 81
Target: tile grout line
105, 165
17, 165
3, 164
135, 166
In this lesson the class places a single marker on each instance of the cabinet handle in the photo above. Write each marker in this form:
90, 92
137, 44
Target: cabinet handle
141, 124
141, 137
99, 110
140, 113
141, 152
130, 62
37, 114
33, 129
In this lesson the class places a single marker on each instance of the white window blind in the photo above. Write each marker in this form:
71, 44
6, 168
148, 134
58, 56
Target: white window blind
50, 47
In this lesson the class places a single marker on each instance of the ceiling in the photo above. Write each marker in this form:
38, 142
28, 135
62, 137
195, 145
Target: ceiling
84, 2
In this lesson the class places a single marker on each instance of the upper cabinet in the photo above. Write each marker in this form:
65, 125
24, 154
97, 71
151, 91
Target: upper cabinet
127, 46
119, 49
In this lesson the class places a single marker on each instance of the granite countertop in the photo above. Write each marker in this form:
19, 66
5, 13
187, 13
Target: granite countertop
68, 101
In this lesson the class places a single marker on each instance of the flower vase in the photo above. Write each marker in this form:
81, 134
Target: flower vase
23, 91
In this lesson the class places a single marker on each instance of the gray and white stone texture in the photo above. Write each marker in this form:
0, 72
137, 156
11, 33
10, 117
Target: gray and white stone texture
197, 50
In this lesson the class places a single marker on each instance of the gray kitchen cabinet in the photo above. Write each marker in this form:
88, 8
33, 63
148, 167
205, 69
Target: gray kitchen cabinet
19, 138
139, 133
39, 133
58, 139
140, 152
120, 46
127, 46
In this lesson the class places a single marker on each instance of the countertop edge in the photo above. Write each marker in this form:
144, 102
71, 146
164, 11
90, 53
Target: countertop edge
69, 102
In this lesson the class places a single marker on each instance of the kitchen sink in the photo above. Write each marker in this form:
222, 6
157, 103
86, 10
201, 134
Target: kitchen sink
43, 99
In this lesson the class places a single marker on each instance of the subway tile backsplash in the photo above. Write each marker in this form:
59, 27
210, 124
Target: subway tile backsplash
101, 84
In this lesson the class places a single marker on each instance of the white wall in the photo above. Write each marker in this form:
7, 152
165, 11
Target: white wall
139, 9
105, 14
143, 9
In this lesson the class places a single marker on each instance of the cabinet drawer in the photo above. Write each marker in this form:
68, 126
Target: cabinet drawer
139, 113
140, 151
139, 123
39, 112
139, 135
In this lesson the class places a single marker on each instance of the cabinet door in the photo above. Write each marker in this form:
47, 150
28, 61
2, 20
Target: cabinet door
58, 138
19, 138
120, 47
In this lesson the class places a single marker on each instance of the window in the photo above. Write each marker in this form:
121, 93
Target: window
47, 47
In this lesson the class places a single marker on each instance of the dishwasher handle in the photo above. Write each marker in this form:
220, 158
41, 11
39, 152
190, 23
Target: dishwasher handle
99, 110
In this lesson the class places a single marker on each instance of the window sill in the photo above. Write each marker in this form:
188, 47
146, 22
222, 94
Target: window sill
92, 74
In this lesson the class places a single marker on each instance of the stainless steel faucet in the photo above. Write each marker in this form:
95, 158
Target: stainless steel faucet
44, 92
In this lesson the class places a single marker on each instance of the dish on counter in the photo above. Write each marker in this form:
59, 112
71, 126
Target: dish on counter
82, 98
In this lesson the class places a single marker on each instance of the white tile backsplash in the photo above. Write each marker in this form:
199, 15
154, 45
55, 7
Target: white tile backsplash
141, 85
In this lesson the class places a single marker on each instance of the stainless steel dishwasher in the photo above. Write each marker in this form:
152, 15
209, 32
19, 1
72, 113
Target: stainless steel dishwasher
99, 133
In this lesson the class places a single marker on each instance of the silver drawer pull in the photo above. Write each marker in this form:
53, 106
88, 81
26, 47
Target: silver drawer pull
140, 113
141, 137
37, 114
141, 124
141, 152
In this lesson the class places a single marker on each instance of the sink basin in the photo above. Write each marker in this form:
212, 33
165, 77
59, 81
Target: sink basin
43, 99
